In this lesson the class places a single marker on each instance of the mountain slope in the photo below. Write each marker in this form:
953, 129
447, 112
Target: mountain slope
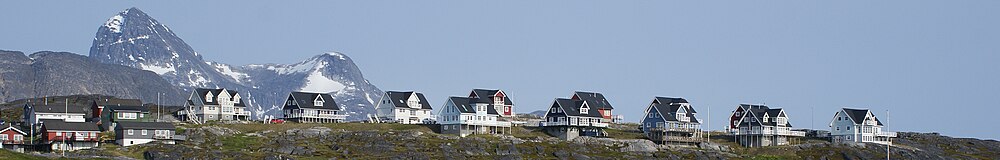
62, 73
132, 38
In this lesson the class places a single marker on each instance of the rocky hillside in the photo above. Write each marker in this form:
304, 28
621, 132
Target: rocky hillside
134, 39
395, 141
61, 73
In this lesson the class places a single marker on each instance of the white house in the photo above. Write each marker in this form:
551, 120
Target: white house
756, 125
214, 105
305, 107
858, 126
403, 107
33, 113
483, 112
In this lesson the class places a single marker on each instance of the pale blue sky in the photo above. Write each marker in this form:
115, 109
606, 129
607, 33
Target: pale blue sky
932, 63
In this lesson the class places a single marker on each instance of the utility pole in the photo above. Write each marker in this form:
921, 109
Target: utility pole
66, 113
889, 139
157, 107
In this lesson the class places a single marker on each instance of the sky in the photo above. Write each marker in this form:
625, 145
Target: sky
933, 65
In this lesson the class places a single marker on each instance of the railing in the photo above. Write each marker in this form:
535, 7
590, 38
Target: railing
674, 129
681, 139
886, 134
328, 116
73, 138
768, 132
565, 123
162, 136
487, 123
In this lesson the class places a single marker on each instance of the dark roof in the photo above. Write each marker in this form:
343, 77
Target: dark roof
594, 99
69, 126
758, 111
121, 102
573, 107
463, 104
215, 95
305, 100
127, 108
485, 96
146, 125
858, 115
668, 105
16, 128
400, 98
58, 108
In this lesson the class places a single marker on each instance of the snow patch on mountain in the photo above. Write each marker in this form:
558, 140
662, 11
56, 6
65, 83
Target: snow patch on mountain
341, 56
114, 24
160, 70
294, 68
229, 71
316, 82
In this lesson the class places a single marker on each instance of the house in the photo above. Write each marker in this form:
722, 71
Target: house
496, 99
97, 106
304, 107
755, 125
114, 114
12, 138
858, 126
214, 105
482, 112
34, 113
133, 133
597, 101
578, 116
70, 136
670, 120
403, 107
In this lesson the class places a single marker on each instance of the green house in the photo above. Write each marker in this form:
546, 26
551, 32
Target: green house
113, 114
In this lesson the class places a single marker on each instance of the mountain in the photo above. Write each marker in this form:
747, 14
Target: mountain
134, 39
62, 73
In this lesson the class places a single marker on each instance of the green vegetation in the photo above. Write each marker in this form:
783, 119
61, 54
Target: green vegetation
5, 154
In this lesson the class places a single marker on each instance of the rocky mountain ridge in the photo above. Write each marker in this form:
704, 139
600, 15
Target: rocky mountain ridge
62, 73
134, 39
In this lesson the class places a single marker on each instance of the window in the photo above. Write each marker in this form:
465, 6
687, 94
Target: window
318, 103
18, 137
3, 137
144, 132
129, 131
208, 97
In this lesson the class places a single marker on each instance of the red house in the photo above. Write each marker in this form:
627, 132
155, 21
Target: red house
12, 138
70, 135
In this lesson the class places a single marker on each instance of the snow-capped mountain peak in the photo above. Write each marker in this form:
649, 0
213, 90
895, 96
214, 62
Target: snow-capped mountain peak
132, 38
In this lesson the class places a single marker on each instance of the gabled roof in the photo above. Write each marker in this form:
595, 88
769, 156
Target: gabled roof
757, 111
14, 128
463, 104
118, 102
60, 125
573, 107
485, 96
215, 95
858, 115
57, 108
668, 105
305, 100
400, 98
146, 125
594, 99
127, 108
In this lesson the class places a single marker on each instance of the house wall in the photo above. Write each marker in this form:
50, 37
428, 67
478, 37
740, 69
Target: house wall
12, 137
457, 129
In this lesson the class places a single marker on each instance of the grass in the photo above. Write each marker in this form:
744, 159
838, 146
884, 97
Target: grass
240, 142
624, 134
6, 154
